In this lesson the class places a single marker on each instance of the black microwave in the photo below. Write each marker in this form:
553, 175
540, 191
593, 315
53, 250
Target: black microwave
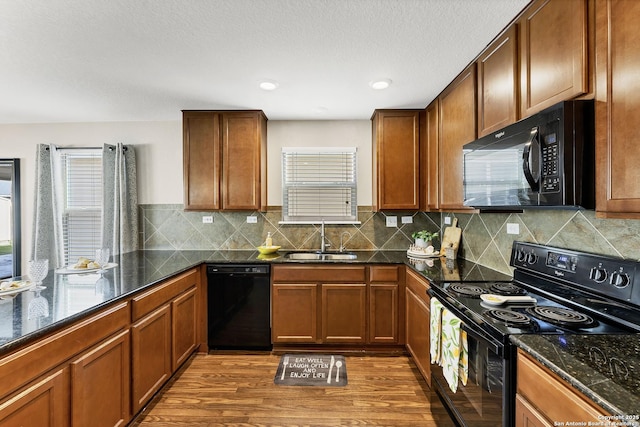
546, 160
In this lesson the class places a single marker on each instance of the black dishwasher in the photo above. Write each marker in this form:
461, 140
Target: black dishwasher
239, 307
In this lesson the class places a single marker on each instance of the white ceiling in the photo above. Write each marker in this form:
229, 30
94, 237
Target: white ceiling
129, 60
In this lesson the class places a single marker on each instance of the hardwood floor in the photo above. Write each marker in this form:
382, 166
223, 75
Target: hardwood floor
238, 390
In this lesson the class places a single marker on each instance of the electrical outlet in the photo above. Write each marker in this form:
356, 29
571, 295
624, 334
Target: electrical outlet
252, 219
392, 221
447, 220
407, 220
207, 219
513, 228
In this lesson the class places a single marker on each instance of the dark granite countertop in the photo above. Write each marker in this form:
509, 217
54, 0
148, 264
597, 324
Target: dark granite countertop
606, 368
69, 297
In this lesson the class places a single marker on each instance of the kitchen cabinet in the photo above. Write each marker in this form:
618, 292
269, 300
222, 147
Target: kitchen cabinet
498, 83
429, 152
384, 307
543, 398
43, 404
100, 384
396, 158
457, 117
330, 304
224, 155
160, 316
344, 313
418, 315
554, 61
617, 109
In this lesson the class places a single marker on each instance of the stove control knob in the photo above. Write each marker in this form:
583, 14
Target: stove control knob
598, 275
619, 280
532, 258
521, 255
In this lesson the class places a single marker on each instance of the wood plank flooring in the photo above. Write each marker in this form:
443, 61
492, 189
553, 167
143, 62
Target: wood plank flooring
238, 390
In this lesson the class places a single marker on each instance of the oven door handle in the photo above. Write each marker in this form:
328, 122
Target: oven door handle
466, 324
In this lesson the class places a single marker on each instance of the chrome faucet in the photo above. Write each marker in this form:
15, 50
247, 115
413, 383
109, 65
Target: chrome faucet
342, 246
323, 239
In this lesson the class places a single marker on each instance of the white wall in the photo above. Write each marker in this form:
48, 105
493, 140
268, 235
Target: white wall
159, 154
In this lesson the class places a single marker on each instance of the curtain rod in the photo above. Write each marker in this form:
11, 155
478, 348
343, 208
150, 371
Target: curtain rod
124, 148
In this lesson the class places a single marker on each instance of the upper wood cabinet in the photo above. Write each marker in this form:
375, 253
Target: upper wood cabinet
429, 152
396, 159
553, 53
498, 83
224, 155
457, 127
617, 109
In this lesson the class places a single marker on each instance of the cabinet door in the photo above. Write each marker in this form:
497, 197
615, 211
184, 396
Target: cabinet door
201, 152
430, 157
243, 149
498, 84
617, 109
383, 313
100, 383
417, 326
294, 313
457, 127
183, 328
344, 313
44, 404
527, 416
151, 355
553, 53
396, 154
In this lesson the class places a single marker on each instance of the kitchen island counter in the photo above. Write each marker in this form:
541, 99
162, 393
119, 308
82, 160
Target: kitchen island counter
605, 368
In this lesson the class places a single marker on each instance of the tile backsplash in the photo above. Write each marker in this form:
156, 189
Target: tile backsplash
484, 236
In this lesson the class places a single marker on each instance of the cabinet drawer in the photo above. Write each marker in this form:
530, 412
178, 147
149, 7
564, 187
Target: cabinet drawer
147, 302
418, 285
384, 273
552, 396
318, 273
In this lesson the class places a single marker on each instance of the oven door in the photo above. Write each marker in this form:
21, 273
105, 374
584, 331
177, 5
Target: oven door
486, 398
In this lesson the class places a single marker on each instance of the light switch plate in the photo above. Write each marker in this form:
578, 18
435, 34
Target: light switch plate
447, 220
392, 221
407, 220
252, 219
207, 219
513, 228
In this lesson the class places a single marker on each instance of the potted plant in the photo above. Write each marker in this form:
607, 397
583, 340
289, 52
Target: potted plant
424, 238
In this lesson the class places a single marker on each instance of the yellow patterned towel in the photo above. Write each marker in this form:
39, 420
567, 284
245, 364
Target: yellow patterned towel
450, 358
463, 370
435, 330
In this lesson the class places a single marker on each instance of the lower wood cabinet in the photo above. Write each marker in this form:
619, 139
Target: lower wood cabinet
342, 305
417, 319
100, 384
544, 399
43, 404
151, 355
184, 326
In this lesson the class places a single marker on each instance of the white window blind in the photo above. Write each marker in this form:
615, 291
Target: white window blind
82, 177
319, 184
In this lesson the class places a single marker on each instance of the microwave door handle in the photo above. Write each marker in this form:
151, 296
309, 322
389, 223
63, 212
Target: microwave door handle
526, 166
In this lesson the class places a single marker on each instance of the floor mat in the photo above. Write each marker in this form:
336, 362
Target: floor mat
311, 370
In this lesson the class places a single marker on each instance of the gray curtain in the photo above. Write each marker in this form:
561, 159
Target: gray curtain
47, 239
120, 199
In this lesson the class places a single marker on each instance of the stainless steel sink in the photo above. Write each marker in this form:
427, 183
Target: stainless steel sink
321, 256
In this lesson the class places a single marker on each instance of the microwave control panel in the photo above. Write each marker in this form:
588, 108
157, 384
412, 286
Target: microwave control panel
550, 164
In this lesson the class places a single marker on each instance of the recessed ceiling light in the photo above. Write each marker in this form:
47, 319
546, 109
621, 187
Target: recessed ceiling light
268, 85
380, 84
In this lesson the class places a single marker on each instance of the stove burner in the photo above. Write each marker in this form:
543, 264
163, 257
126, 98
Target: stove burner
506, 289
562, 316
509, 317
467, 290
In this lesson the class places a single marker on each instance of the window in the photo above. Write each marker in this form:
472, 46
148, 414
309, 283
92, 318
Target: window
319, 184
82, 216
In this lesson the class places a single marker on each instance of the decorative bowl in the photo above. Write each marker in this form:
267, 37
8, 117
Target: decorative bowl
264, 250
